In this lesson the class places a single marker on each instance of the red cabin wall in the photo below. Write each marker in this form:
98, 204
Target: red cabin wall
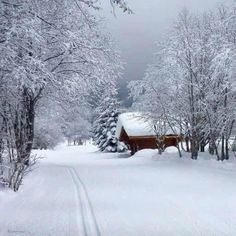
149, 142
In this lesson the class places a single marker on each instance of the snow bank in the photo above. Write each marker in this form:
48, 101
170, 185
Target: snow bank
147, 194
146, 154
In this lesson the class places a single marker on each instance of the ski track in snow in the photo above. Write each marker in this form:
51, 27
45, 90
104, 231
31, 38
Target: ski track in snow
85, 212
77, 191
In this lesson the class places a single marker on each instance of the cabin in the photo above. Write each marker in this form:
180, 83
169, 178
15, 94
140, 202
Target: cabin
137, 132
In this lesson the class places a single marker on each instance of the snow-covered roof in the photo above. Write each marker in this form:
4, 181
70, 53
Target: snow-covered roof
134, 124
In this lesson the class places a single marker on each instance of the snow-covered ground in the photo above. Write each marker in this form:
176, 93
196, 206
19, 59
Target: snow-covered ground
79, 191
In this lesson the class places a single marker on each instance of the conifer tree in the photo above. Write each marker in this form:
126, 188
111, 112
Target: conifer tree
105, 124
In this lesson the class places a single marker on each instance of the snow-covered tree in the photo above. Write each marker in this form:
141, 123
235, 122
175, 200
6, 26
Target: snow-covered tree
105, 123
52, 48
76, 125
191, 81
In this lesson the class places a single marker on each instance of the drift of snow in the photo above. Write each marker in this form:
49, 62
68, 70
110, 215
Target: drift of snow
146, 194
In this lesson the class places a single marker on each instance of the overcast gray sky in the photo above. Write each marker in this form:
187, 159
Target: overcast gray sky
135, 35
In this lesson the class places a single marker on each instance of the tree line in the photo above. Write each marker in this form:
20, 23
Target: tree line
53, 54
191, 85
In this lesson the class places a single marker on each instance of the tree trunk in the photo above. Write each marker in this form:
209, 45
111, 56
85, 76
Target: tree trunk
194, 146
222, 156
202, 146
226, 149
24, 127
1, 158
187, 144
211, 147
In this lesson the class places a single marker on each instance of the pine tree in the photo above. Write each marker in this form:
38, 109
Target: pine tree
105, 124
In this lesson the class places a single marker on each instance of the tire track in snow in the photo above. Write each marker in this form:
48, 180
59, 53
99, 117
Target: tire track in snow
86, 215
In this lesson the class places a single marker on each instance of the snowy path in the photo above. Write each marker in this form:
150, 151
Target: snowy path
78, 191
88, 222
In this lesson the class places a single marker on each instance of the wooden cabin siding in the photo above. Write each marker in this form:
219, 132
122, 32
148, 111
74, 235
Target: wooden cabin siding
136, 143
171, 140
140, 143
124, 137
